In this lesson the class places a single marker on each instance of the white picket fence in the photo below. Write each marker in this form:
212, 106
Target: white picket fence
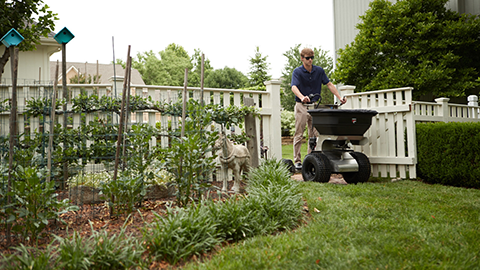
268, 102
392, 146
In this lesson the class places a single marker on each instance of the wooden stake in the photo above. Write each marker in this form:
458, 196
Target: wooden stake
120, 127
184, 97
201, 79
65, 115
13, 128
52, 125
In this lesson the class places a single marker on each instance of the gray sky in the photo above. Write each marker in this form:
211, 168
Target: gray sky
226, 31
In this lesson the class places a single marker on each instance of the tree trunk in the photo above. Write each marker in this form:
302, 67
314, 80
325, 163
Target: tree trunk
3, 61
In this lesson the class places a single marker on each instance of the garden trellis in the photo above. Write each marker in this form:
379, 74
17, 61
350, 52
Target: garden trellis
86, 145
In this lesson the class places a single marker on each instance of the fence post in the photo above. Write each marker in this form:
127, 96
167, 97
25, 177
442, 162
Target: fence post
274, 143
444, 109
347, 90
473, 101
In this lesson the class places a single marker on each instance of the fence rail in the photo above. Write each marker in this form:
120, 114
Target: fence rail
392, 147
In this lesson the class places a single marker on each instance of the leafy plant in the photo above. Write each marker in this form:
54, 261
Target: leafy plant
74, 252
30, 258
182, 233
126, 191
35, 203
117, 251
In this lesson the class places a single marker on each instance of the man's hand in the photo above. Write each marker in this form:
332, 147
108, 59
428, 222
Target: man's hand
343, 100
305, 99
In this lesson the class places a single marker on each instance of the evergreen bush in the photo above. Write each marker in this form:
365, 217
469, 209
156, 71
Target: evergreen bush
449, 153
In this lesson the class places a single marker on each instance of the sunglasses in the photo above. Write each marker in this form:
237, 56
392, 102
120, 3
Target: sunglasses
309, 57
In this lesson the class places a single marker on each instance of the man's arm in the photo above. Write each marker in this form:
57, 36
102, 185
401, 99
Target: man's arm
296, 91
334, 91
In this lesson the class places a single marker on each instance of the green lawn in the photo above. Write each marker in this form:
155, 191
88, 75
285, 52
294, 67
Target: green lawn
400, 225
287, 151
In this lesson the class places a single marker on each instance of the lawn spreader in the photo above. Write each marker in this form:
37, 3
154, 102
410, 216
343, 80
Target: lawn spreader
339, 130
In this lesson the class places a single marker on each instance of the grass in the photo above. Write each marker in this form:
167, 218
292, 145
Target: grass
287, 151
401, 225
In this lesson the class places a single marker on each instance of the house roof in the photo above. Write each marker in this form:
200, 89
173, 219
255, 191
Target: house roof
105, 70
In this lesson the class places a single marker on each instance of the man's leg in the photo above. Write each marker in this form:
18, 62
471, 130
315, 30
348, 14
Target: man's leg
300, 122
312, 132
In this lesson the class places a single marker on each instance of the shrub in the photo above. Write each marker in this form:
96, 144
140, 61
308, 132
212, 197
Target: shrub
449, 153
287, 122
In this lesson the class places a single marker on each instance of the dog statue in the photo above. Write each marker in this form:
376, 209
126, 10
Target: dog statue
235, 157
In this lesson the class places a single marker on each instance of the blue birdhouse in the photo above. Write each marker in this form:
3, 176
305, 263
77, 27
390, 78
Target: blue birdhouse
64, 36
12, 38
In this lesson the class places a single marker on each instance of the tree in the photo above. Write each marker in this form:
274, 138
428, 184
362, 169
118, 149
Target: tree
293, 61
416, 43
195, 75
169, 69
30, 18
228, 78
258, 70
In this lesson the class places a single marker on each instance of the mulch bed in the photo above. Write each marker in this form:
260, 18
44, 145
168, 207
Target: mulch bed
97, 216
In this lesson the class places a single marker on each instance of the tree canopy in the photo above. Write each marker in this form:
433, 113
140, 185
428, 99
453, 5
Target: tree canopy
293, 61
169, 69
30, 18
416, 43
228, 78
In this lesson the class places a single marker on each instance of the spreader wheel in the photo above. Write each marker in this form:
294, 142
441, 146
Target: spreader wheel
316, 167
364, 169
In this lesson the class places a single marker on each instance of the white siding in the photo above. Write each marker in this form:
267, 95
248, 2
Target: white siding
346, 15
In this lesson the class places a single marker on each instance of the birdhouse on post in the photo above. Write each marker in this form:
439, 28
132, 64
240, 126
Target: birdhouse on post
12, 38
64, 36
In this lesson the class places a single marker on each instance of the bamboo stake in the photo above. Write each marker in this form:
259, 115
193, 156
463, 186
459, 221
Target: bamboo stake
184, 97
201, 79
120, 128
128, 76
52, 125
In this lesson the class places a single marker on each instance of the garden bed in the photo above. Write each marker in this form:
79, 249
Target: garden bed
97, 216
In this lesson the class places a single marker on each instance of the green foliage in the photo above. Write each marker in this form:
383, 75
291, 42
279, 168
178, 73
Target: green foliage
181, 234
31, 19
114, 251
416, 43
449, 154
83, 79
74, 252
258, 70
287, 121
34, 203
127, 191
399, 225
273, 203
194, 77
101, 250
187, 158
169, 69
227, 78
31, 259
321, 59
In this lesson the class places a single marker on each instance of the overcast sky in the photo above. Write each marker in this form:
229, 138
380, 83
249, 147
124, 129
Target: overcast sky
227, 32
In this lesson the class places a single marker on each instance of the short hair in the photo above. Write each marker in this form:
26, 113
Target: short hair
306, 51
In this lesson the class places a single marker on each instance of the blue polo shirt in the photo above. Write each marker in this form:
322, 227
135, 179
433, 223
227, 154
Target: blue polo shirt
309, 82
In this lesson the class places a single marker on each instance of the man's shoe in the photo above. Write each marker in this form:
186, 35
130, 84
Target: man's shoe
298, 166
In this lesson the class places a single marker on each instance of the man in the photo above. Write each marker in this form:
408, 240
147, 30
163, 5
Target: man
307, 79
